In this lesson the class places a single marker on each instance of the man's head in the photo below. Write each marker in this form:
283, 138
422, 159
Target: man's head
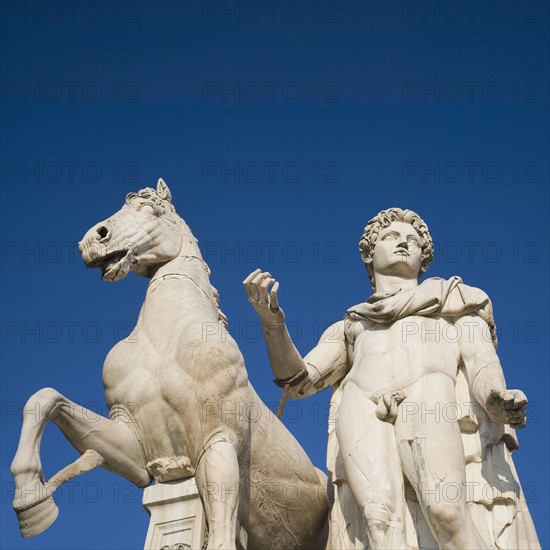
378, 225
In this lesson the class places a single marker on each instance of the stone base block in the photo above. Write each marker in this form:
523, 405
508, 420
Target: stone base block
177, 519
177, 516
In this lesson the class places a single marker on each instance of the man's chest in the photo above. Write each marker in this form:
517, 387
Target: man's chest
411, 334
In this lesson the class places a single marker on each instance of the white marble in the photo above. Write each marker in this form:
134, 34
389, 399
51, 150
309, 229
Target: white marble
178, 520
420, 453
177, 516
180, 403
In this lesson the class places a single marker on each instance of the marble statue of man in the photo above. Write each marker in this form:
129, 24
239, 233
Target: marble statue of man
420, 451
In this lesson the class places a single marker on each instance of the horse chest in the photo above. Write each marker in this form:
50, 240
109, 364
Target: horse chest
135, 371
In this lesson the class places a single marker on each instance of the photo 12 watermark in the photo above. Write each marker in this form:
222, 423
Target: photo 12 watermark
68, 92
270, 172
69, 11
68, 332
69, 171
270, 252
469, 92
247, 12
471, 172
254, 92
470, 12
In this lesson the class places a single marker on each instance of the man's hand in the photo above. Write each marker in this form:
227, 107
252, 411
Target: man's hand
507, 406
264, 301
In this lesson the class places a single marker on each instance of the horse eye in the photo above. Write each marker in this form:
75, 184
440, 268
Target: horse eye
147, 209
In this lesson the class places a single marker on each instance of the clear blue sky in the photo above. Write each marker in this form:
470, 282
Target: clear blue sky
280, 133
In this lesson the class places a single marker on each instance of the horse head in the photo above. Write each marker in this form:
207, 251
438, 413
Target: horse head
143, 235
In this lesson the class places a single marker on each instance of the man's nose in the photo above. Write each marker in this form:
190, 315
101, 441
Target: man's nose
403, 244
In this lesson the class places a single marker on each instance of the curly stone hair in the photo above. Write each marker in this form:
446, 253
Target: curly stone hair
384, 219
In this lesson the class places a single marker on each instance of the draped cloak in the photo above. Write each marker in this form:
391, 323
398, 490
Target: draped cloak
494, 495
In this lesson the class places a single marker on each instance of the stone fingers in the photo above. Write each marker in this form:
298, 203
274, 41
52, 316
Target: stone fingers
512, 405
264, 296
256, 286
273, 300
249, 287
515, 408
249, 279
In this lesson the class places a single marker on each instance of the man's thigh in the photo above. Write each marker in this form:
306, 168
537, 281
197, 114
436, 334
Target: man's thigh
429, 439
369, 449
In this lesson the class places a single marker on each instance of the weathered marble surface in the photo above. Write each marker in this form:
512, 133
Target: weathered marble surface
420, 452
178, 521
180, 403
177, 515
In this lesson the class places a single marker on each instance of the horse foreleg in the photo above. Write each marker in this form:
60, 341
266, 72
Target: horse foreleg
218, 483
112, 445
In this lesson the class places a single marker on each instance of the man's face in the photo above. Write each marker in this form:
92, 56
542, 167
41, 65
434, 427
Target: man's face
397, 251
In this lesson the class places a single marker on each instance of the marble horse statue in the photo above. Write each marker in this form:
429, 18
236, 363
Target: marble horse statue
180, 402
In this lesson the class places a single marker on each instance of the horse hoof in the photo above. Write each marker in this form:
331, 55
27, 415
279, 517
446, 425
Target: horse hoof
37, 519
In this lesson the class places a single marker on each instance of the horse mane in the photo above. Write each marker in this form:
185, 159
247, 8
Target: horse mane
221, 315
164, 206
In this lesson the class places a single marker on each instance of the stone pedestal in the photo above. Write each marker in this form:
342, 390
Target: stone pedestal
177, 519
177, 516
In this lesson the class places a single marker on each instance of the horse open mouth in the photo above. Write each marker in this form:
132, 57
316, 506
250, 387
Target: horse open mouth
113, 265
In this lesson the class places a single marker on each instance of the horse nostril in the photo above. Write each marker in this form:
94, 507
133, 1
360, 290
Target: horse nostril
102, 231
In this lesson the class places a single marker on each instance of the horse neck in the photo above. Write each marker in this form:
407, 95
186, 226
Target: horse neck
189, 267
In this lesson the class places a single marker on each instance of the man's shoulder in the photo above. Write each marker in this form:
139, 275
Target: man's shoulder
462, 296
334, 333
465, 300
354, 325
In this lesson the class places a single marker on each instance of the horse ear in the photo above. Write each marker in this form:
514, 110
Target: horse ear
163, 191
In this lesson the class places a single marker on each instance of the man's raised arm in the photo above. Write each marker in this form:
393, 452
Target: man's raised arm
485, 373
323, 366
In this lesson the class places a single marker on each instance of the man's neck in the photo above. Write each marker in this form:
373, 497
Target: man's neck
391, 284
